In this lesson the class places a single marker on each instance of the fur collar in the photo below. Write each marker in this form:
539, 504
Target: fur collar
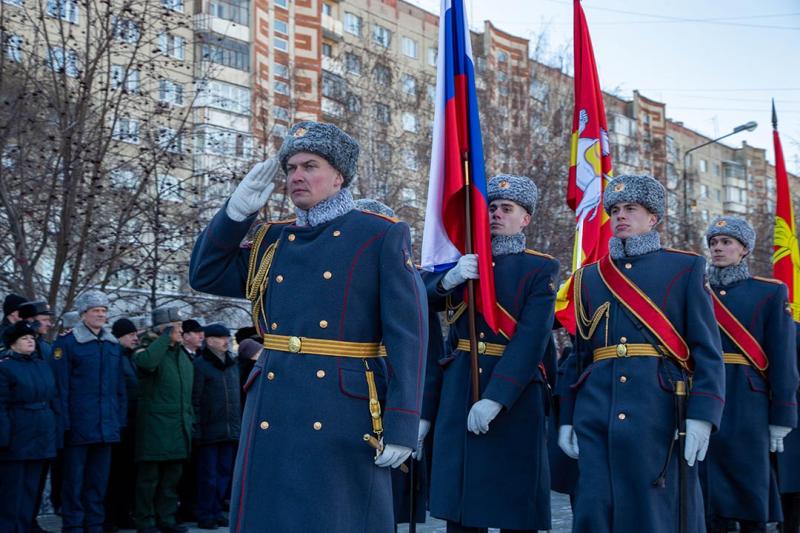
83, 334
328, 209
724, 276
633, 246
508, 244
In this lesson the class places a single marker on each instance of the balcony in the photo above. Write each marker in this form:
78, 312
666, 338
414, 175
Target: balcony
332, 29
332, 108
334, 66
205, 23
734, 207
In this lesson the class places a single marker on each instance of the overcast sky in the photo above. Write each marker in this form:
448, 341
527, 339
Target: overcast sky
715, 64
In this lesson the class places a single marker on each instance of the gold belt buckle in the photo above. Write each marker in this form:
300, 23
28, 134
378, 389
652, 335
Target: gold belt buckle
295, 344
622, 350
481, 347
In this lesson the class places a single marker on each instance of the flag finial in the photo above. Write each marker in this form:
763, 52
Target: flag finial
774, 116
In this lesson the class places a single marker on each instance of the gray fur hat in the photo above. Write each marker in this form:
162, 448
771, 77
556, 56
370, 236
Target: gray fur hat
636, 189
735, 227
70, 319
519, 189
166, 315
324, 140
370, 204
90, 299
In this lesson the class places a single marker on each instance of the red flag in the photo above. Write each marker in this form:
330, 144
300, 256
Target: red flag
590, 166
785, 254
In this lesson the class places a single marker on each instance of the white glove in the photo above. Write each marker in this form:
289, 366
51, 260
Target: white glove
568, 441
481, 414
253, 191
393, 455
697, 434
424, 428
466, 268
776, 436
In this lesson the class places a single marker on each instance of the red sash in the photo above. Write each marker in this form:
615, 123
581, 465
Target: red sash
742, 338
643, 308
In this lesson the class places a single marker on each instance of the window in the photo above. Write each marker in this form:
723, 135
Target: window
13, 47
67, 10
237, 11
225, 51
410, 47
352, 24
327, 9
703, 190
63, 61
703, 165
704, 215
126, 79
382, 36
410, 122
352, 63
127, 130
281, 27
718, 194
281, 70
281, 3
333, 86
502, 77
170, 92
169, 188
170, 140
716, 168
735, 194
327, 50
433, 56
174, 5
171, 45
125, 30
409, 159
384, 152
383, 76
407, 194
409, 84
124, 178
219, 141
430, 92
280, 113
353, 103
502, 57
281, 87
280, 44
382, 113
13, 2
225, 96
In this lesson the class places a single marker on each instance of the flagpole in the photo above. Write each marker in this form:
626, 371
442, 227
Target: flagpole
473, 336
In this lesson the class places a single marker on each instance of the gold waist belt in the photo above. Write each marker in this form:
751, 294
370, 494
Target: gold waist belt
484, 348
306, 345
734, 359
626, 350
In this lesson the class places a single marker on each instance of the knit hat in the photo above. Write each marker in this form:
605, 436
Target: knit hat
12, 303
374, 206
735, 227
245, 333
636, 189
519, 189
91, 299
248, 348
191, 326
32, 309
122, 327
324, 140
216, 330
14, 332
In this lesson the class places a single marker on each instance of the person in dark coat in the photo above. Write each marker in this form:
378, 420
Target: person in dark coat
216, 402
28, 421
761, 383
249, 350
11, 305
489, 466
92, 376
192, 337
164, 420
342, 307
618, 416
120, 495
788, 467
192, 343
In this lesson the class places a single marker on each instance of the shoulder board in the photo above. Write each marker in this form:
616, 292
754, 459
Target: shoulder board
379, 215
289, 220
540, 254
685, 252
769, 280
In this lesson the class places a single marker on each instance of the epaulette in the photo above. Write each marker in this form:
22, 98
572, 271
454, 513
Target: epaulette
379, 215
540, 254
685, 252
769, 280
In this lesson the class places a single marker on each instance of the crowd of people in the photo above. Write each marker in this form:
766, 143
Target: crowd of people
137, 425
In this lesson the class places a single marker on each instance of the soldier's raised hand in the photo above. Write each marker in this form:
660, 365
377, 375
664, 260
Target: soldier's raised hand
568, 441
776, 436
253, 191
697, 435
466, 268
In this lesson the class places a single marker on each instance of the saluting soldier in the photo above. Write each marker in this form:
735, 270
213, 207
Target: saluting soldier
645, 323
333, 291
489, 466
759, 351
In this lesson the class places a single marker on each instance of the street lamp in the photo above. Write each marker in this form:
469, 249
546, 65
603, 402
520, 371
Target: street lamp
748, 126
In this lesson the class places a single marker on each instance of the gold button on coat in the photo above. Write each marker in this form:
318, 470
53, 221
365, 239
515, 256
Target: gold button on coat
323, 324
317, 425
628, 266
482, 335
264, 424
337, 233
723, 293
621, 416
291, 237
279, 278
623, 379
320, 374
295, 344
327, 275
270, 375
623, 339
274, 325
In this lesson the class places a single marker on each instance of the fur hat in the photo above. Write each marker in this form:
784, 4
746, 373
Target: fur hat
324, 140
735, 227
91, 299
519, 189
636, 189
370, 204
12, 303
166, 315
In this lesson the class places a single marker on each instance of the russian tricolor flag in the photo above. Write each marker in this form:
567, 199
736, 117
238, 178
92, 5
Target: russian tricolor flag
457, 163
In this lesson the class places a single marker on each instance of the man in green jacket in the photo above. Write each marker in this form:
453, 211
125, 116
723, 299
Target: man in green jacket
163, 423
